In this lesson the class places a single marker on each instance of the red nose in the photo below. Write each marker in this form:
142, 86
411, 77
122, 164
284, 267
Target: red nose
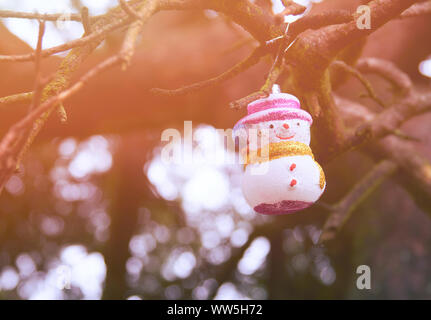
286, 126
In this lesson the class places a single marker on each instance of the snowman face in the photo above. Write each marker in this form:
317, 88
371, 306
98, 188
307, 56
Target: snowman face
255, 136
285, 130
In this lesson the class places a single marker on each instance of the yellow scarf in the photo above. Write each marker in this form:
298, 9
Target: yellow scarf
280, 150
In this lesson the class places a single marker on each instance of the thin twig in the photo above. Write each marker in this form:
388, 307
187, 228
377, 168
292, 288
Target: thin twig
239, 44
94, 36
402, 135
264, 91
355, 197
250, 61
389, 71
41, 16
292, 8
37, 90
243, 102
129, 10
63, 75
61, 112
388, 121
371, 93
102, 66
19, 97
85, 20
130, 40
312, 100
8, 159
354, 72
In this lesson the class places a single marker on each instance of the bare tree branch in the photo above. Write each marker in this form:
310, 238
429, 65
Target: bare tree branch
355, 197
104, 28
41, 16
129, 10
37, 91
145, 12
250, 61
419, 9
264, 91
19, 97
313, 53
291, 8
389, 120
7, 157
85, 20
389, 71
13, 150
344, 66
415, 168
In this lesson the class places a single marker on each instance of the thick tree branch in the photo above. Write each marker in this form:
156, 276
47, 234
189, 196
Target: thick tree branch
314, 51
417, 10
291, 8
259, 23
8, 155
12, 148
382, 11
415, 174
412, 103
390, 120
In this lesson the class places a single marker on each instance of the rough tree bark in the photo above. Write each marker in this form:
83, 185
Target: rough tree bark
305, 68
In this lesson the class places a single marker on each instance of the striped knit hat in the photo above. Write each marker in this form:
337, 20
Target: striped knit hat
277, 106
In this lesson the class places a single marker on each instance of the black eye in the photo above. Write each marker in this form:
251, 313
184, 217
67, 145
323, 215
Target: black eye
271, 126
298, 124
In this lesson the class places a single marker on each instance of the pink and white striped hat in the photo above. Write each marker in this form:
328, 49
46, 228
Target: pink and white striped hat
277, 106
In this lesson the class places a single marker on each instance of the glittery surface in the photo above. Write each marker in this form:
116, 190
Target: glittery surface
283, 207
279, 150
322, 180
276, 103
273, 114
280, 131
284, 149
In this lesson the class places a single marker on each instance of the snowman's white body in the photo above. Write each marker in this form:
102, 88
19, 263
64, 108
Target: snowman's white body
288, 179
276, 175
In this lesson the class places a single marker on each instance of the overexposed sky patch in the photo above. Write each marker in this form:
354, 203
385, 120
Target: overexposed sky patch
56, 33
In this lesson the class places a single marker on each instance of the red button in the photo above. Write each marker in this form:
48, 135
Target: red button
293, 183
292, 167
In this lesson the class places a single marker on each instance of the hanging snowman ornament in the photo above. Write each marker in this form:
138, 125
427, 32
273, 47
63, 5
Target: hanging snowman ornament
280, 175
